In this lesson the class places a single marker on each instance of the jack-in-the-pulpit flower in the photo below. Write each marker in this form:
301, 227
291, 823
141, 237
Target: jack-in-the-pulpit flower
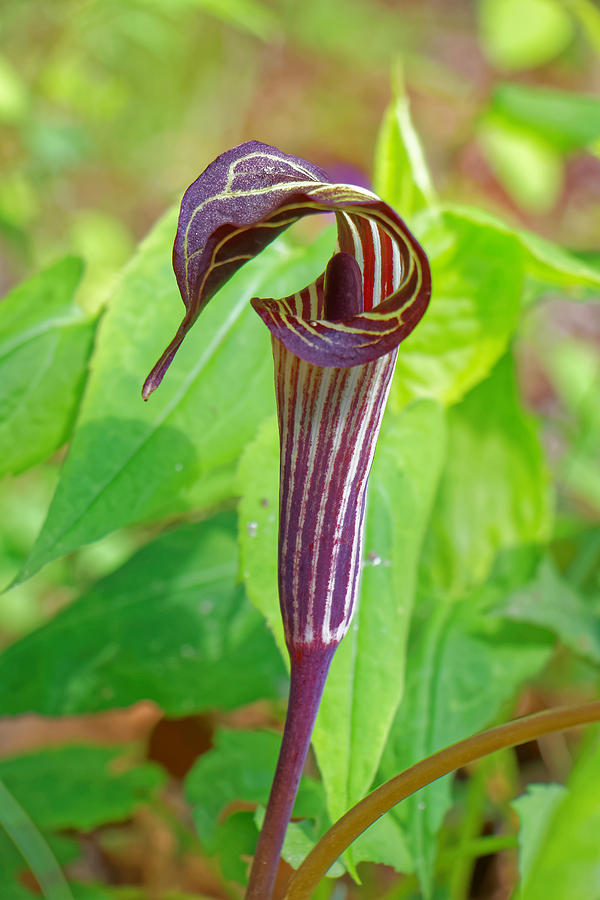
335, 344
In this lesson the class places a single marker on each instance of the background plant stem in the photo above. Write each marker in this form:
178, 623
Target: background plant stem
358, 819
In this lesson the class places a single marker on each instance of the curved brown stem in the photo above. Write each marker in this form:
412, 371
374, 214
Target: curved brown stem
356, 820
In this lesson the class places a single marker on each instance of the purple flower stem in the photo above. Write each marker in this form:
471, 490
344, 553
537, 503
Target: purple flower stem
309, 668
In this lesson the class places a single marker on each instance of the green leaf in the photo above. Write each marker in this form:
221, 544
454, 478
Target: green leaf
258, 484
549, 601
45, 342
535, 810
494, 492
559, 834
547, 266
131, 461
477, 276
78, 786
401, 176
300, 838
236, 772
571, 121
519, 34
351, 729
384, 842
574, 369
171, 625
463, 667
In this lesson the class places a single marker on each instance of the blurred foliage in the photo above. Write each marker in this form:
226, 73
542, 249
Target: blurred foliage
143, 536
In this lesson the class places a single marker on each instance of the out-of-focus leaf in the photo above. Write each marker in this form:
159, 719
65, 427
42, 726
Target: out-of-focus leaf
559, 834
101, 892
235, 773
494, 492
520, 34
567, 119
250, 15
461, 670
337, 29
300, 838
535, 810
384, 842
45, 342
78, 786
477, 275
351, 729
527, 164
171, 625
14, 96
234, 844
574, 368
547, 266
401, 174
549, 601
588, 15
131, 461
33, 848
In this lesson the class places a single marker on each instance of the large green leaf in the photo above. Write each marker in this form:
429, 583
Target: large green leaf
131, 461
258, 485
461, 669
477, 276
45, 342
494, 492
78, 786
171, 625
351, 728
559, 834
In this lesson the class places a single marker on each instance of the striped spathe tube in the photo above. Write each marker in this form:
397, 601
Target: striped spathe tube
335, 344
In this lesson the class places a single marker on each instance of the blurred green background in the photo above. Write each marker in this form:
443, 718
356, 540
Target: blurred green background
110, 108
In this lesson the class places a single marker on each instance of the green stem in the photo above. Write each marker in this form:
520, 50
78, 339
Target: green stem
356, 820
